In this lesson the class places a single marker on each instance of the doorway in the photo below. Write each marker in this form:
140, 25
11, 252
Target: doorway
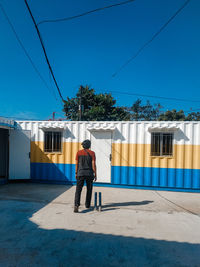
101, 145
19, 156
4, 137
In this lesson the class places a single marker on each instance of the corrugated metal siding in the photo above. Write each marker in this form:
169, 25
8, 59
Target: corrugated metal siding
156, 177
132, 163
139, 155
53, 172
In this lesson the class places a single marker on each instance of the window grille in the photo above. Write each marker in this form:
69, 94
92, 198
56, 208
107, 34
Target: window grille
161, 144
52, 142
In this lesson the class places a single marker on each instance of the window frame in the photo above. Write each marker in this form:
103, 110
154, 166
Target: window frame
161, 144
61, 142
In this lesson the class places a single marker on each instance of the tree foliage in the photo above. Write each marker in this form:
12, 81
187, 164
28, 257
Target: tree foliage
101, 107
146, 112
172, 115
95, 107
193, 116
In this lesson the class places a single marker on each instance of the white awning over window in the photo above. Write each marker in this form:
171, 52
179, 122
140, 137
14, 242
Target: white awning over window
7, 124
163, 128
101, 127
53, 126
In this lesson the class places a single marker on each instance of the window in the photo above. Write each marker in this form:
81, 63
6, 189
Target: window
52, 142
161, 144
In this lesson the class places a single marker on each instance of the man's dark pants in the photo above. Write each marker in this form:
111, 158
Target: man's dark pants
79, 186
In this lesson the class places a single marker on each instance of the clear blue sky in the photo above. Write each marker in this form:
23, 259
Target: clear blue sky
90, 49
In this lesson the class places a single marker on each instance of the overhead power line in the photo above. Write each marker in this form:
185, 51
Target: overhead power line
18, 118
159, 97
192, 110
85, 13
44, 50
152, 38
24, 49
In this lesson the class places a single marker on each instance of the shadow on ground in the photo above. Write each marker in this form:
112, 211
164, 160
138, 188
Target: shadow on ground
130, 203
23, 243
114, 206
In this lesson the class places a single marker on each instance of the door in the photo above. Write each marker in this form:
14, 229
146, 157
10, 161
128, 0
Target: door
101, 145
3, 153
19, 155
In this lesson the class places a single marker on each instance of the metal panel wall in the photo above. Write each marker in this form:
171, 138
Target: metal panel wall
132, 163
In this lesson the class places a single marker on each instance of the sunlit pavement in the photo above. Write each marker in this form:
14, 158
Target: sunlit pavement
134, 228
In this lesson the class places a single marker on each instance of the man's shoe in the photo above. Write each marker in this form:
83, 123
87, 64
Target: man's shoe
87, 206
76, 209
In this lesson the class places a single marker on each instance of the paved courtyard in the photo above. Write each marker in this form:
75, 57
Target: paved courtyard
135, 228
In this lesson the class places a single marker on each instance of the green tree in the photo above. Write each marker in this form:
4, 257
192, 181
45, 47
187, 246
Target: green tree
193, 116
136, 110
146, 112
95, 107
172, 115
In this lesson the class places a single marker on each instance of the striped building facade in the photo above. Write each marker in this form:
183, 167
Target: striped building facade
141, 154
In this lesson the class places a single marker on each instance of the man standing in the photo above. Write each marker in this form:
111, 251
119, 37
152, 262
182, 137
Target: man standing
85, 171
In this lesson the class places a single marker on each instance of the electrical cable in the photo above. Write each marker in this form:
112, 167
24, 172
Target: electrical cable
51, 85
18, 118
152, 38
25, 119
159, 97
44, 50
25, 51
192, 110
85, 13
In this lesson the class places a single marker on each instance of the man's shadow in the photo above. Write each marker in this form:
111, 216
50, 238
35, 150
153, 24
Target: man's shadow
114, 206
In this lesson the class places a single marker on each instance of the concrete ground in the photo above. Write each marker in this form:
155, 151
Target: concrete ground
135, 228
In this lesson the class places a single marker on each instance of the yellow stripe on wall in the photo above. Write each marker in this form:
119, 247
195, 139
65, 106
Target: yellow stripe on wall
67, 156
136, 155
139, 155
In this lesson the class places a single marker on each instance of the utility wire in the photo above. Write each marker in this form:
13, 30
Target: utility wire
153, 96
85, 13
25, 119
152, 38
44, 50
192, 110
18, 118
52, 86
24, 49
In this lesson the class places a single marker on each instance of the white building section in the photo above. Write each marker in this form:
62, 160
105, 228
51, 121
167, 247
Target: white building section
101, 145
19, 156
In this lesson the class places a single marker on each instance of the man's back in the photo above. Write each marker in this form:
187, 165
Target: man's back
85, 158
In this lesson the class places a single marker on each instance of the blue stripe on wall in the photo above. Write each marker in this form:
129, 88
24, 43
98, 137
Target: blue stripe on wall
121, 175
156, 177
53, 172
